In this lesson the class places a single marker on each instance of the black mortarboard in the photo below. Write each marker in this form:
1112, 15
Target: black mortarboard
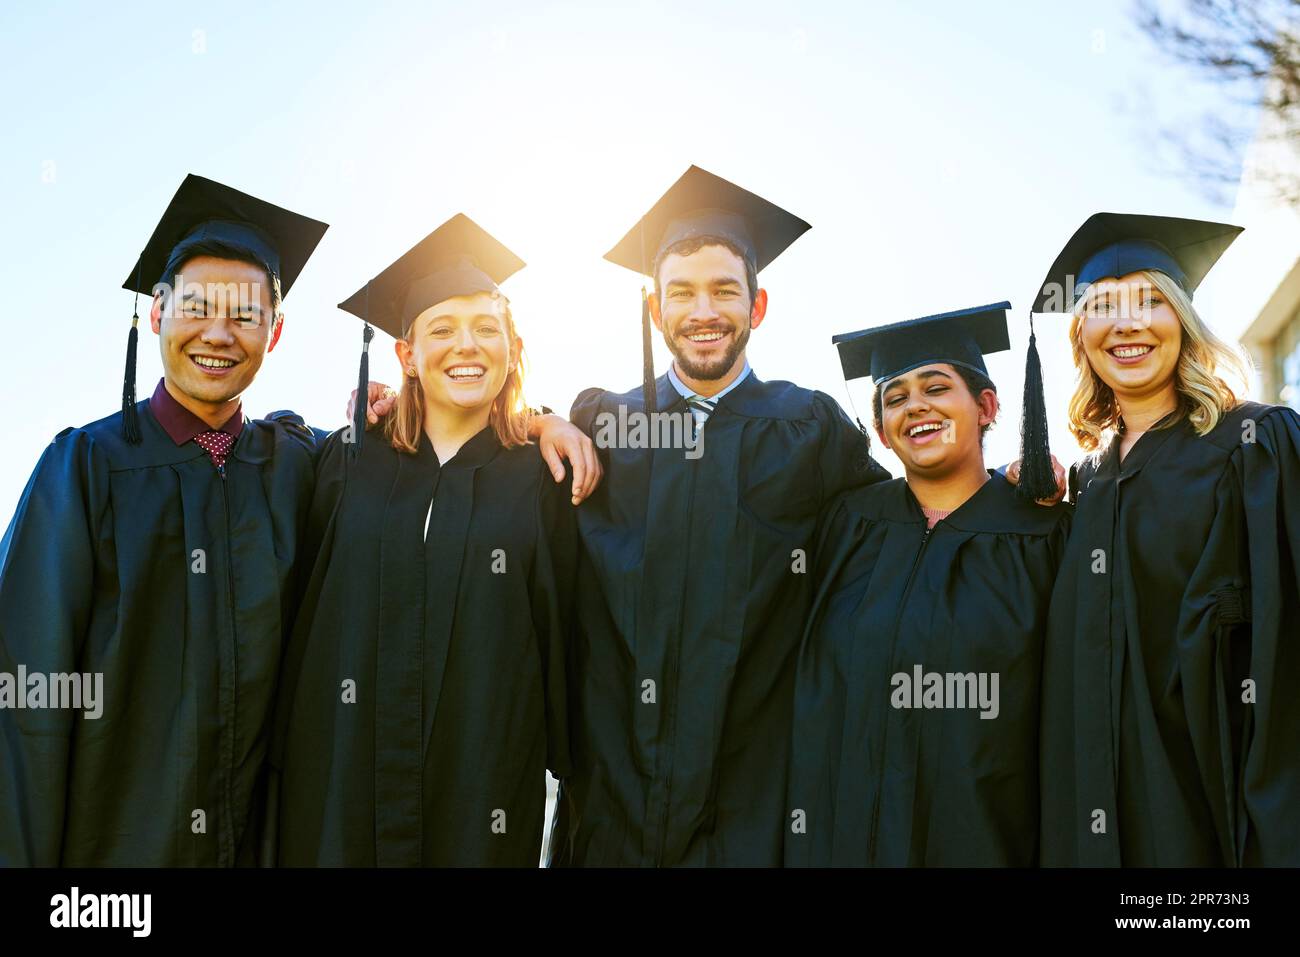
459, 258
961, 338
207, 212
1117, 244
701, 204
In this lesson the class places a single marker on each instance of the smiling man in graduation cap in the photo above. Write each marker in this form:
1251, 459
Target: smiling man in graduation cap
685, 647
155, 547
915, 736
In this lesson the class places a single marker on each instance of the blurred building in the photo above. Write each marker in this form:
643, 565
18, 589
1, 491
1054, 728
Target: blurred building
1256, 296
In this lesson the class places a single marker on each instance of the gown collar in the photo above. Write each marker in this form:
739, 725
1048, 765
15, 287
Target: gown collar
477, 451
686, 392
994, 508
182, 425
752, 398
1143, 450
667, 395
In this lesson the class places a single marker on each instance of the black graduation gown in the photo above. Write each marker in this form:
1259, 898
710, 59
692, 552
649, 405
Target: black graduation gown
1181, 581
875, 784
455, 645
145, 564
695, 578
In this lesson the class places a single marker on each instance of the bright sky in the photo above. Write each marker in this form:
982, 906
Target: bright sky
942, 153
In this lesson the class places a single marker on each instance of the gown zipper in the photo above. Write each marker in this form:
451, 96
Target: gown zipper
671, 736
226, 825
893, 644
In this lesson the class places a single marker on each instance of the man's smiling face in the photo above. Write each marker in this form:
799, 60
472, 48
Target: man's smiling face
215, 327
706, 310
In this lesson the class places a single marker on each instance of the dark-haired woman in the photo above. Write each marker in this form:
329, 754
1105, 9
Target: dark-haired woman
915, 740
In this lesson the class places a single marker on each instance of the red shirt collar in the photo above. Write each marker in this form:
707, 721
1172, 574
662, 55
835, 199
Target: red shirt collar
182, 424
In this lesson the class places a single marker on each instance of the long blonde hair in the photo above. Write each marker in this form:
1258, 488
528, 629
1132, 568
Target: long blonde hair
1204, 396
509, 416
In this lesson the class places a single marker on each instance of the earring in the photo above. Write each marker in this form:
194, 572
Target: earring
410, 372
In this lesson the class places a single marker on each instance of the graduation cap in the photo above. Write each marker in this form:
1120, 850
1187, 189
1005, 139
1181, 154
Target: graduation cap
459, 258
960, 338
698, 205
1117, 244
205, 213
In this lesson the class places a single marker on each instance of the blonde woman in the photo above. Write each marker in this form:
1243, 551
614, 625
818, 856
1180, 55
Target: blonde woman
423, 693
1171, 718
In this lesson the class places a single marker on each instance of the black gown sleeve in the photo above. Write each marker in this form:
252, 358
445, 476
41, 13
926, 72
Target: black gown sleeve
47, 582
314, 437
317, 540
331, 480
585, 408
1266, 474
1078, 477
554, 573
846, 460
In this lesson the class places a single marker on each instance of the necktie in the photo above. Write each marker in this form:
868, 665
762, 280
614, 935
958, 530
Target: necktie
701, 409
216, 444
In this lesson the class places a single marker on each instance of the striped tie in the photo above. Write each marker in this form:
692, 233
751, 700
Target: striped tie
701, 409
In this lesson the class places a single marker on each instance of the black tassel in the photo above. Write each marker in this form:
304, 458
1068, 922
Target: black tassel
1037, 480
130, 421
363, 389
649, 393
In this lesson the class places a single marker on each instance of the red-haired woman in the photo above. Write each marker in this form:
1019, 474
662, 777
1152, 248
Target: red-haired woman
423, 690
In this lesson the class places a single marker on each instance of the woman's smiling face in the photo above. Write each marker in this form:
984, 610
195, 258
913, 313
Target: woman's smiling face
461, 351
931, 421
1130, 335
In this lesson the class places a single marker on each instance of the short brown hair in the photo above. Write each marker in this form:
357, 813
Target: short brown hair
693, 244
